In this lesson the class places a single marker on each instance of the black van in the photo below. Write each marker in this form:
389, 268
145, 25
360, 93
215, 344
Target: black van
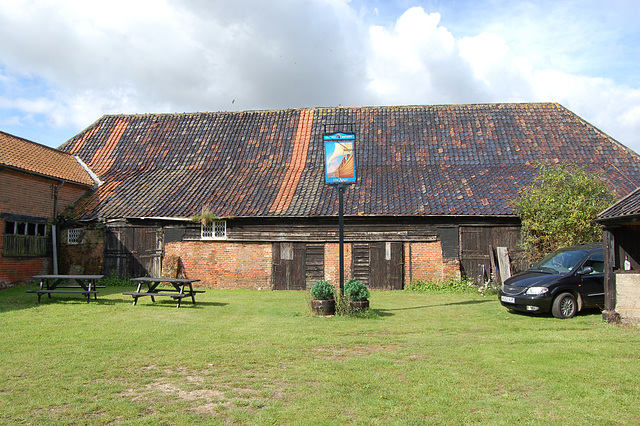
564, 282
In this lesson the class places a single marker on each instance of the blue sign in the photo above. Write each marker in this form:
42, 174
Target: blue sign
339, 160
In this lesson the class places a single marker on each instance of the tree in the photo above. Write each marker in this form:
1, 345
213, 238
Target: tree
559, 208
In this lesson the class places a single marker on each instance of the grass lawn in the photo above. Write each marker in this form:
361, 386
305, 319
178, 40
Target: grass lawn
259, 357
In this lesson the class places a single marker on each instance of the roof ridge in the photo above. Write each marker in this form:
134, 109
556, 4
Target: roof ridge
320, 107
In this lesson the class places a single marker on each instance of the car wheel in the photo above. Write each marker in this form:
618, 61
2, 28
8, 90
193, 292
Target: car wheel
564, 306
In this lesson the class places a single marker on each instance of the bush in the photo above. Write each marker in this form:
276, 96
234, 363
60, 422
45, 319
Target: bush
355, 290
451, 285
322, 290
560, 207
114, 281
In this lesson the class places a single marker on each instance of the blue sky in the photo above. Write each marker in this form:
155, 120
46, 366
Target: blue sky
65, 63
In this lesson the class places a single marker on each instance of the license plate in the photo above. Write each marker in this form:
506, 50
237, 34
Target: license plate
508, 299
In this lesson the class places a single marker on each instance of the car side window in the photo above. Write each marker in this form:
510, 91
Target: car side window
596, 261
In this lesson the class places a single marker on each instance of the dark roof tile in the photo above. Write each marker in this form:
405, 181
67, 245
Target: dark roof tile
413, 160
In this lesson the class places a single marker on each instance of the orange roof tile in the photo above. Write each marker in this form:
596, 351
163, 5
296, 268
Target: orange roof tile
22, 154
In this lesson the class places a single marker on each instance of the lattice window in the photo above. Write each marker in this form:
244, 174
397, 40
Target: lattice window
216, 230
74, 236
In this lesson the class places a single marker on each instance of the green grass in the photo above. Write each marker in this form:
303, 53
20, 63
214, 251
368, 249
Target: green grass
259, 357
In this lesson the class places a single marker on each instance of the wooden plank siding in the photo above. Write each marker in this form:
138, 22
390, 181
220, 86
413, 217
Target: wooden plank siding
133, 251
475, 242
298, 246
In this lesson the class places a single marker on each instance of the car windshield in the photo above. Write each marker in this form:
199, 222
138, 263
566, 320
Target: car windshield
561, 261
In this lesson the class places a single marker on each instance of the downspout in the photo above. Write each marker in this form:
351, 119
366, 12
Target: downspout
54, 227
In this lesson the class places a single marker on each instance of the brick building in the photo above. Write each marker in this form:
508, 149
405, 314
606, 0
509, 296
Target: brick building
432, 193
35, 183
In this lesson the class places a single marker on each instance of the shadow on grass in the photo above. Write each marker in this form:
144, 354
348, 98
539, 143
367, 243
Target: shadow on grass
587, 312
111, 295
389, 312
171, 304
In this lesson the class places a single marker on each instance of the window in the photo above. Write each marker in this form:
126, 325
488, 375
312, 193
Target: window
24, 238
74, 236
215, 230
596, 261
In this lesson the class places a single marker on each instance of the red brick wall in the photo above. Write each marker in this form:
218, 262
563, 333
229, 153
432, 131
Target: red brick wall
424, 261
84, 258
220, 264
29, 195
332, 263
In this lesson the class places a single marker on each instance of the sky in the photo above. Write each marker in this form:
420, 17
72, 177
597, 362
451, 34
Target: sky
65, 63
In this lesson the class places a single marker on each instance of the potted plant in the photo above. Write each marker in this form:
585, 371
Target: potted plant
323, 299
357, 294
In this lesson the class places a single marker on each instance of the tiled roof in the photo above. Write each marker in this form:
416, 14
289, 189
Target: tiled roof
31, 157
626, 208
413, 160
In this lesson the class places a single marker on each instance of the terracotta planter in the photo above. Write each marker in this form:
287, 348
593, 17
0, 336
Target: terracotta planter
324, 307
361, 305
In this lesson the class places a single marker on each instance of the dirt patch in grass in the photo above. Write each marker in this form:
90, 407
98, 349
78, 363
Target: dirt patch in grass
333, 353
210, 396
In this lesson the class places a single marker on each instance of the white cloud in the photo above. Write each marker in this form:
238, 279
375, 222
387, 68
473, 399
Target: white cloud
77, 60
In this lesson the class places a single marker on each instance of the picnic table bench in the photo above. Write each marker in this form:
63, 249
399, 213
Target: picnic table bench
51, 284
181, 288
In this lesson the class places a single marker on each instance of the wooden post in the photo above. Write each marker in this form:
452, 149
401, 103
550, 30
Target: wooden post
609, 244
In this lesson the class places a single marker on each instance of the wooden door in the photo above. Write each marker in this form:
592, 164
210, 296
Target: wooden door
132, 251
379, 265
360, 258
475, 242
288, 269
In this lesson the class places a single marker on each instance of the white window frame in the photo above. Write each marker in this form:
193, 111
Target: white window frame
215, 230
74, 236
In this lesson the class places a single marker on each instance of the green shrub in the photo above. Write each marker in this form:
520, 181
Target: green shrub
355, 290
322, 290
114, 281
450, 285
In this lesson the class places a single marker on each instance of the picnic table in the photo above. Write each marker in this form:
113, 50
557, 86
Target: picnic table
78, 284
181, 288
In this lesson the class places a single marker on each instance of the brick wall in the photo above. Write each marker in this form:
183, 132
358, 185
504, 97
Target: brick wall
84, 258
332, 263
424, 261
223, 264
29, 195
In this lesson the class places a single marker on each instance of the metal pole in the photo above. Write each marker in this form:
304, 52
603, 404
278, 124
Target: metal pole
341, 220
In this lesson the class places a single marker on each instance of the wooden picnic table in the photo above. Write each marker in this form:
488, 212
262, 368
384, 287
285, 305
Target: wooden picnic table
73, 284
181, 288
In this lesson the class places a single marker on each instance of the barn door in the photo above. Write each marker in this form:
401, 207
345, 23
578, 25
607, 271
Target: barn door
133, 251
379, 265
288, 266
297, 266
474, 249
475, 242
361, 261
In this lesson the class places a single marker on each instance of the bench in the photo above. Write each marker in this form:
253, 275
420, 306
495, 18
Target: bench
64, 291
174, 295
76, 284
49, 292
181, 288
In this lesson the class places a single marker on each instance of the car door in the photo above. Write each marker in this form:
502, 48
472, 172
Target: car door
592, 283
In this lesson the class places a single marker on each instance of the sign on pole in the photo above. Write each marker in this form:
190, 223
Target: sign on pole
339, 164
340, 172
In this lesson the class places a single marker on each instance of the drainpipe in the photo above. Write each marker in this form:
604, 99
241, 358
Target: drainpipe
54, 227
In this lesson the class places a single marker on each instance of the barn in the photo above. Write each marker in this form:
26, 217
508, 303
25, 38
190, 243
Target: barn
239, 199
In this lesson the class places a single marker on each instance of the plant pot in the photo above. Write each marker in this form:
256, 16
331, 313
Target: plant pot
323, 307
360, 305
